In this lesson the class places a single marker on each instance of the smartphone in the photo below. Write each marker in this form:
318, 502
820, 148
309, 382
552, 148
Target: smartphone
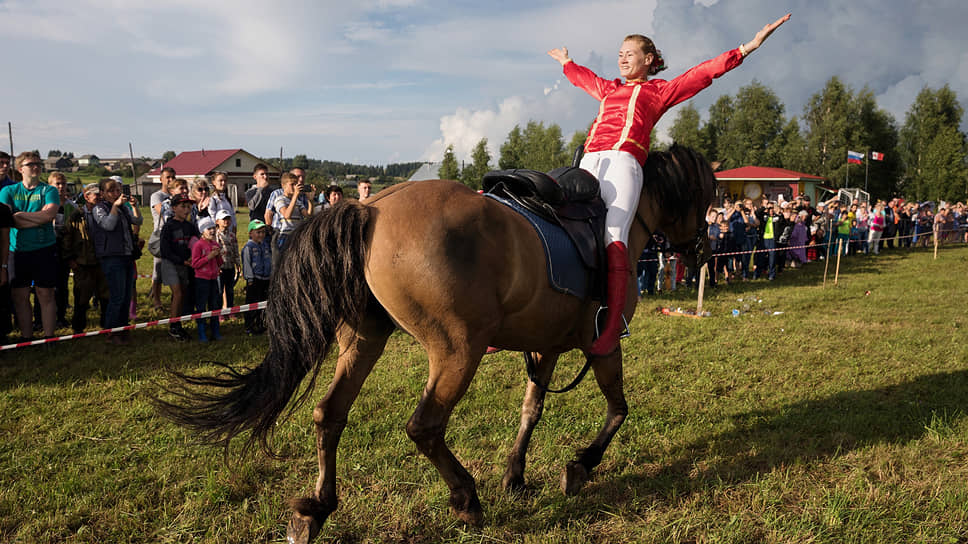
126, 190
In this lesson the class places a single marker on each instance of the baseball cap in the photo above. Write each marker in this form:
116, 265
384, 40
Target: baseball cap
92, 188
255, 224
206, 223
179, 199
223, 214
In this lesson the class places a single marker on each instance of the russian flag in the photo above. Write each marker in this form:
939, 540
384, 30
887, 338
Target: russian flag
877, 156
855, 157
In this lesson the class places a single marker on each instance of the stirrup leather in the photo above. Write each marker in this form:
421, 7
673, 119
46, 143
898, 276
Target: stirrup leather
599, 316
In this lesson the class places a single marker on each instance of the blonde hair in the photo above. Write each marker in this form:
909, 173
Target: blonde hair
177, 182
24, 157
56, 175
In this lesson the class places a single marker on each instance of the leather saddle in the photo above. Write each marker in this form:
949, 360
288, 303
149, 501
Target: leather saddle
567, 196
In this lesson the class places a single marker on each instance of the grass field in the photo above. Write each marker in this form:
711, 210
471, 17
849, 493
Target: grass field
840, 420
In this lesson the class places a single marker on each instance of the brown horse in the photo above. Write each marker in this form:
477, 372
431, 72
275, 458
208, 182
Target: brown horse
458, 271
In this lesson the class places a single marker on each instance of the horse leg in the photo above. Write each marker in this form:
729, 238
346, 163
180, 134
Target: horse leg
608, 374
531, 410
359, 351
450, 375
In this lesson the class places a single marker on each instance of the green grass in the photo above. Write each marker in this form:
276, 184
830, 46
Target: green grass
841, 420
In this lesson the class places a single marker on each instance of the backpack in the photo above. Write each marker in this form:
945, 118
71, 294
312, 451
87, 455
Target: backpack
154, 243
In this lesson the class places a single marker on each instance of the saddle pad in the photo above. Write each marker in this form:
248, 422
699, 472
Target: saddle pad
566, 273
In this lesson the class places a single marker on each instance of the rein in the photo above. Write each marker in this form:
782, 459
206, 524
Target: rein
532, 374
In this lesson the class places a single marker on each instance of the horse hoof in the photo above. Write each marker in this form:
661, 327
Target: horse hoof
468, 509
307, 519
513, 484
573, 478
474, 518
302, 529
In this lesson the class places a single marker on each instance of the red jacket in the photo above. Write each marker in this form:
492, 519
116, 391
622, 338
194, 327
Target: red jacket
206, 268
630, 110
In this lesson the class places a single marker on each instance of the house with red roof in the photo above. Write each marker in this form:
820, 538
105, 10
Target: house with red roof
236, 163
756, 182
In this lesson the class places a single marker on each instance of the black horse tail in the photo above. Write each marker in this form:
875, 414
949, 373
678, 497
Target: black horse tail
318, 285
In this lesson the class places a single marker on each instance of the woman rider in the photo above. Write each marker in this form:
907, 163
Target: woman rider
618, 142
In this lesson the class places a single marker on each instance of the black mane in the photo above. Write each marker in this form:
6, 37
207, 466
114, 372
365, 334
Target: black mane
680, 180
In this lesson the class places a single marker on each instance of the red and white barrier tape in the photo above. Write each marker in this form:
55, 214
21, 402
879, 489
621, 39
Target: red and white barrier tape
833, 242
201, 315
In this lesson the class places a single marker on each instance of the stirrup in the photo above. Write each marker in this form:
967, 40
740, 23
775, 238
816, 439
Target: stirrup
625, 324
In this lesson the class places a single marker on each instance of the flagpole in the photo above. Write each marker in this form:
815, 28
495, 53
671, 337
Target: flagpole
867, 167
847, 173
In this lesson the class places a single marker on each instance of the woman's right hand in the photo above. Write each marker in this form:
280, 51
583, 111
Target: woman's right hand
560, 55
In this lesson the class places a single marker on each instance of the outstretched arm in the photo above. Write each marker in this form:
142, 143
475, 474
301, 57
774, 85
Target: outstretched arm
763, 34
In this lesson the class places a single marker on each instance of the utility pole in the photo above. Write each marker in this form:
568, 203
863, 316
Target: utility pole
134, 173
10, 133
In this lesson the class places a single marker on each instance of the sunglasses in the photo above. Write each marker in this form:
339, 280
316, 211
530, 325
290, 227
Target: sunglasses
32, 164
203, 189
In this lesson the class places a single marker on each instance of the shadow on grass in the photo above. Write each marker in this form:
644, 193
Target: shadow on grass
762, 440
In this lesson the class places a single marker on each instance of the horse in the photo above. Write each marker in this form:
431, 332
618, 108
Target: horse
459, 272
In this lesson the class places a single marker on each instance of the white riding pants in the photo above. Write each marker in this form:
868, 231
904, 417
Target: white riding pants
620, 177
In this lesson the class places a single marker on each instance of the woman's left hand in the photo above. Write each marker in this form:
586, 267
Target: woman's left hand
764, 33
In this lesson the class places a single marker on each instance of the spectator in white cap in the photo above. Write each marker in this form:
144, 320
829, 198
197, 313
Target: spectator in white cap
207, 263
231, 261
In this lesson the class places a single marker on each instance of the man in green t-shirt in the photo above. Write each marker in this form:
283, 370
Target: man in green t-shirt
32, 244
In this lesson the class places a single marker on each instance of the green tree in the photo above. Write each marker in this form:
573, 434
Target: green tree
875, 131
472, 175
929, 118
792, 147
448, 167
685, 129
719, 115
944, 174
167, 156
54, 153
755, 123
827, 117
512, 150
300, 161
544, 148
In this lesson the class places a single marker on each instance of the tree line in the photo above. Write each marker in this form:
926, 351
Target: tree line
925, 158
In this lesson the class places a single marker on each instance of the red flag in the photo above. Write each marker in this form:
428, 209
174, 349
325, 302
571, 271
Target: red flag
877, 156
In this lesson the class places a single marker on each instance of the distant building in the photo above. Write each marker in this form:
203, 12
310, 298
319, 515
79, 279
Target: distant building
429, 170
58, 164
88, 160
236, 163
756, 182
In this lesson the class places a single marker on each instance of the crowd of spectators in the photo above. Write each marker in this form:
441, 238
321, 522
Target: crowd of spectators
48, 235
758, 241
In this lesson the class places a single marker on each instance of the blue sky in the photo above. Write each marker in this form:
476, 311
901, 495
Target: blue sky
379, 81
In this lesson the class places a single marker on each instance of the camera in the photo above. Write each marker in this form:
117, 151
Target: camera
306, 189
126, 190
